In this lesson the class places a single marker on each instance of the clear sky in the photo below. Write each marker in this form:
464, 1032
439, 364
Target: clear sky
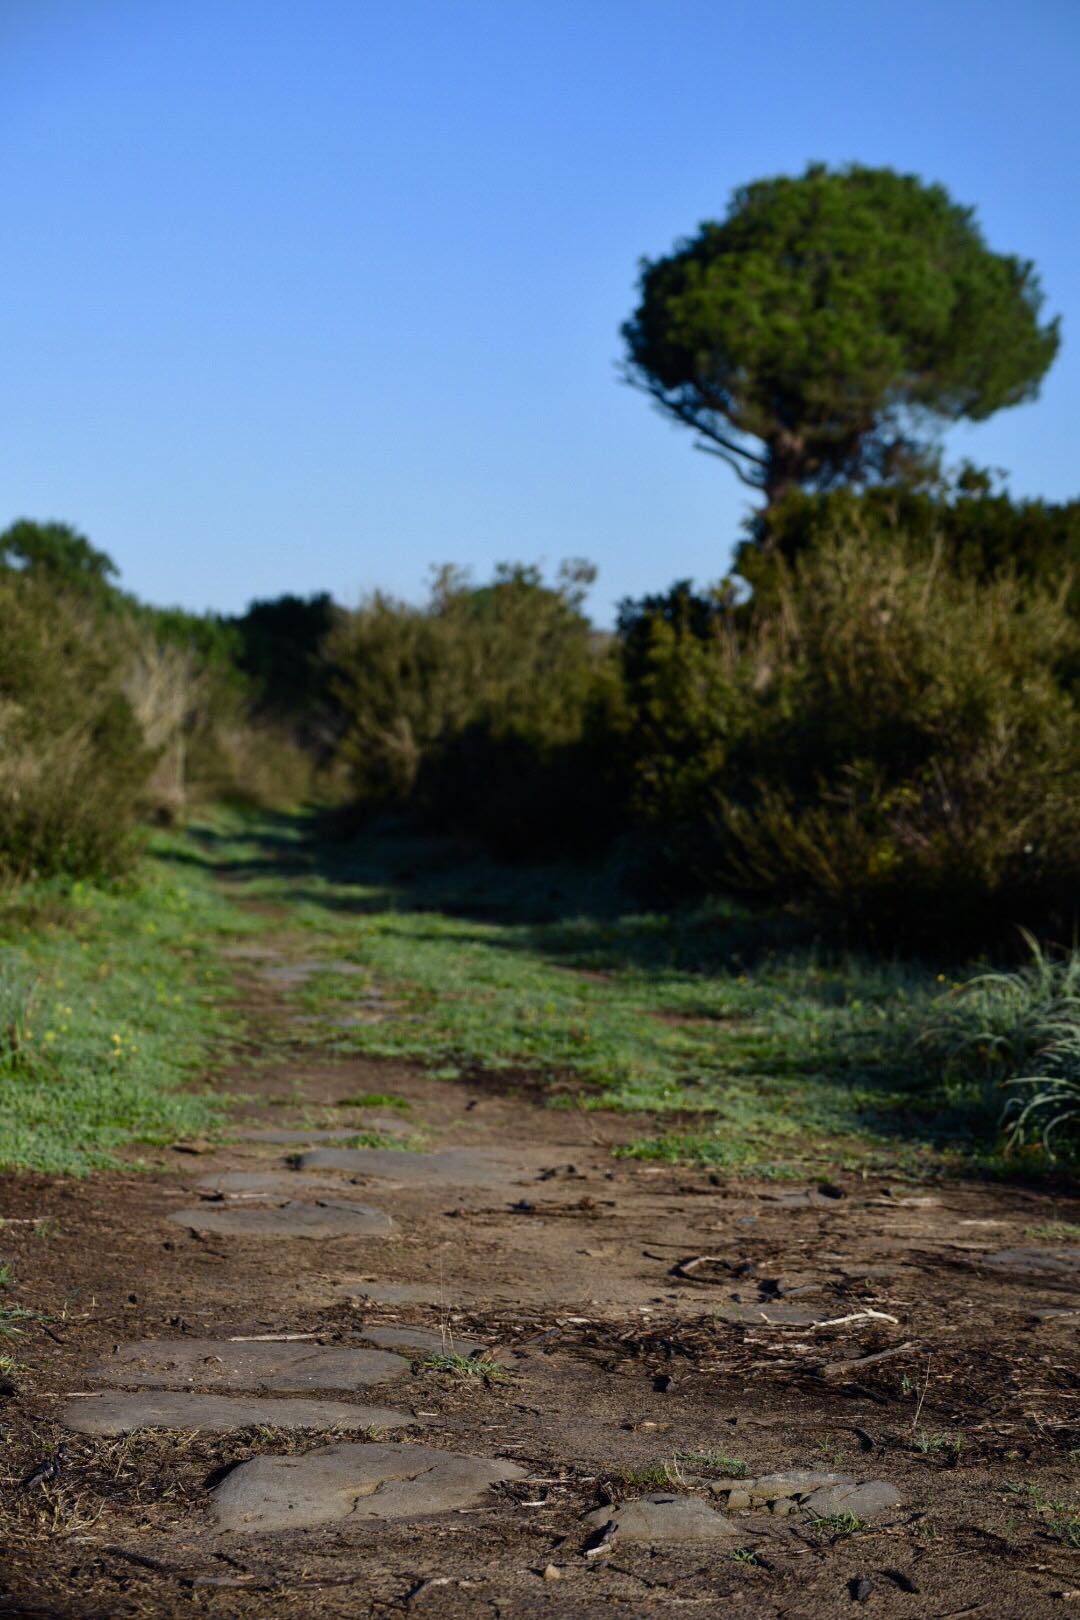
306, 294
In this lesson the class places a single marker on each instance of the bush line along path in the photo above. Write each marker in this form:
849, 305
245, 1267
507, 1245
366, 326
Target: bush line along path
412, 1311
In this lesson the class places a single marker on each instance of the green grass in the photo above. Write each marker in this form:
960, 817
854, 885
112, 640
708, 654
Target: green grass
931, 1445
649, 1476
108, 1011
765, 1055
1056, 1231
12, 1315
1061, 1518
493, 1372
714, 1462
838, 1524
374, 1099
753, 1052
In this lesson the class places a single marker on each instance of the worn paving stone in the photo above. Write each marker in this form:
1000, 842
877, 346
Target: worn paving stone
420, 1338
662, 1518
1056, 1313
322, 1219
1040, 1262
261, 1183
354, 1482
297, 1136
184, 1409
804, 1198
866, 1501
453, 1167
219, 1363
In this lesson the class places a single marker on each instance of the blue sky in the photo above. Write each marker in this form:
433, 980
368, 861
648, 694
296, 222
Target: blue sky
307, 294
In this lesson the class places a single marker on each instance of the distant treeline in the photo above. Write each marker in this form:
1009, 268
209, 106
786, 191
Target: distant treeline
874, 720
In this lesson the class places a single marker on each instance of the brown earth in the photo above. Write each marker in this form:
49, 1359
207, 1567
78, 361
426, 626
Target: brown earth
636, 1314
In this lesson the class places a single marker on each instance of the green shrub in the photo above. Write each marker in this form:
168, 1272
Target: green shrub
885, 742
477, 711
73, 762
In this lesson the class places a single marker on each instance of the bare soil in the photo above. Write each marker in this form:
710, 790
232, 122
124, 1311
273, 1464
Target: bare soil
636, 1313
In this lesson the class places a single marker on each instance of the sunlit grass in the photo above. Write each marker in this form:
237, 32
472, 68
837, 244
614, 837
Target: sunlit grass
109, 1007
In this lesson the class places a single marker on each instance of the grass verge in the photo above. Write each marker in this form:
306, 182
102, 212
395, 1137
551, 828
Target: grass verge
777, 1056
109, 1009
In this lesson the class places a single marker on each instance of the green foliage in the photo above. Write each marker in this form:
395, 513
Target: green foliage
811, 334
74, 761
976, 530
887, 743
1018, 1035
474, 711
278, 647
106, 1019
457, 1366
60, 556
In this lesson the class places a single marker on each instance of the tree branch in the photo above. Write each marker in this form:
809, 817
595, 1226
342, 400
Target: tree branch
741, 474
686, 415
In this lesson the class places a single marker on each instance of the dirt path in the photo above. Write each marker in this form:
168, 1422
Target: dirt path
855, 1395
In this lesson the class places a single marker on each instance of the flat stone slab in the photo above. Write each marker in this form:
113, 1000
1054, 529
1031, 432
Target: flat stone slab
297, 1136
322, 1219
420, 1338
663, 1518
1056, 1313
219, 1363
124, 1414
453, 1167
354, 1482
866, 1501
261, 1183
1039, 1262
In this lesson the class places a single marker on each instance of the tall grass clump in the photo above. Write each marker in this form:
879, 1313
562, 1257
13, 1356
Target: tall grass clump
1017, 1036
886, 743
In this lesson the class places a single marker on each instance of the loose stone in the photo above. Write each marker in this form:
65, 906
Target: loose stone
865, 1501
661, 1518
354, 1482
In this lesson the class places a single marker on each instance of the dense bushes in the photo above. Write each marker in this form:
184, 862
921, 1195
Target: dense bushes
112, 711
73, 761
473, 711
884, 734
885, 740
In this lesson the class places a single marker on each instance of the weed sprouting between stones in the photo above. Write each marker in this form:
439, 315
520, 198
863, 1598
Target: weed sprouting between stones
375, 1099
448, 1361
